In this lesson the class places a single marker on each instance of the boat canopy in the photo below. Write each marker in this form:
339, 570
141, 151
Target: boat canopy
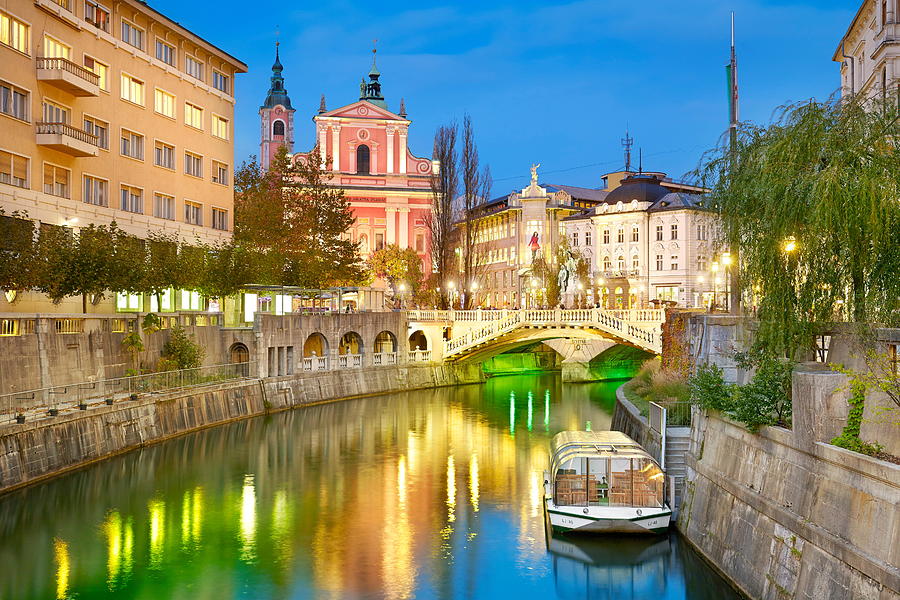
611, 444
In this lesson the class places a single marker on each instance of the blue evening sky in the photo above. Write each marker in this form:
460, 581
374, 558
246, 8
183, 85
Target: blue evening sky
547, 82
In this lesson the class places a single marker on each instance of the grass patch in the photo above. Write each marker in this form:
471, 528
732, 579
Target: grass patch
652, 384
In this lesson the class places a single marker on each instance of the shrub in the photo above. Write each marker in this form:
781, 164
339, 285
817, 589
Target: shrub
709, 390
849, 438
183, 351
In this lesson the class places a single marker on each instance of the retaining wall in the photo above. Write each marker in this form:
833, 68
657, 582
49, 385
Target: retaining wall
785, 519
43, 448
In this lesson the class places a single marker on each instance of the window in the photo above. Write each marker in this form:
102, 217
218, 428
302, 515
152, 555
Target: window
100, 69
96, 191
674, 262
164, 206
13, 33
56, 180
219, 172
193, 115
64, 3
674, 229
278, 128
132, 144
13, 101
620, 263
635, 233
701, 263
659, 233
164, 103
606, 236
164, 155
362, 159
420, 242
635, 262
620, 235
132, 199
13, 169
659, 262
193, 213
193, 164
607, 264
221, 82
53, 48
165, 52
575, 238
193, 67
701, 232
132, 89
54, 113
379, 241
220, 219
823, 343
220, 127
98, 128
97, 15
132, 35
587, 238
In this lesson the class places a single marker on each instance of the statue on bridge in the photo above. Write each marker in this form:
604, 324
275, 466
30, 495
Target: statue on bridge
566, 272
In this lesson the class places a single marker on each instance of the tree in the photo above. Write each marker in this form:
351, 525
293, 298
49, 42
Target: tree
182, 350
476, 188
396, 265
17, 252
444, 185
810, 204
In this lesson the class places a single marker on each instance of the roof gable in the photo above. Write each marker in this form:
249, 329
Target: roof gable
362, 109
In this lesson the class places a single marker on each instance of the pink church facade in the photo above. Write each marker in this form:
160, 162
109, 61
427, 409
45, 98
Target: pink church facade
365, 147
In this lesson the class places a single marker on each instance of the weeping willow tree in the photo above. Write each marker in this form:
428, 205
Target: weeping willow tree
812, 204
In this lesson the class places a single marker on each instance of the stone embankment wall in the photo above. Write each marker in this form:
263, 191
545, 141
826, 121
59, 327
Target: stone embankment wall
788, 518
42, 448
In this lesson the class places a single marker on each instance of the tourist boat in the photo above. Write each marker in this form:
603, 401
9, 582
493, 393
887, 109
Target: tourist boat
604, 482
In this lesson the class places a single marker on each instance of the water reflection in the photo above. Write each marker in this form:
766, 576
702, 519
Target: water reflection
425, 494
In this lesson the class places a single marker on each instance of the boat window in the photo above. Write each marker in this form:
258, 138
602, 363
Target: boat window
635, 482
598, 481
570, 487
620, 483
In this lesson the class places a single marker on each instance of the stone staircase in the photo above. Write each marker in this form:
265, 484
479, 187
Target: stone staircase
678, 444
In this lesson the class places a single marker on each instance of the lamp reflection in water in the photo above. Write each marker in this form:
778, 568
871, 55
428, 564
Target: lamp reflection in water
157, 510
63, 567
530, 409
451, 489
248, 520
281, 527
191, 517
119, 534
401, 482
546, 410
512, 413
473, 481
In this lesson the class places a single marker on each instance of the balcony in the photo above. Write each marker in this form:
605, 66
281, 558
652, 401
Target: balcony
65, 138
68, 76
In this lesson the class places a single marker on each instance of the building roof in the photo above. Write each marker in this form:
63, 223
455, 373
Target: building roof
579, 193
676, 201
640, 187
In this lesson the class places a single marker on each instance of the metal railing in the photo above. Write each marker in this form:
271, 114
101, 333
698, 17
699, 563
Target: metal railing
678, 414
54, 400
64, 64
43, 127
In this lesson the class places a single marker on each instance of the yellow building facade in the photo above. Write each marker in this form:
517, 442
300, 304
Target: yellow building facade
113, 112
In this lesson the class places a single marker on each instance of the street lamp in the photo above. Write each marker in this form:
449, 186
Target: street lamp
789, 245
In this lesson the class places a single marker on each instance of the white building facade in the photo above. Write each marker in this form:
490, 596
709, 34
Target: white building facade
869, 52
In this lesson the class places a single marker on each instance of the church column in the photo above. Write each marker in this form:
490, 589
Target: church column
402, 151
336, 147
403, 242
390, 219
322, 144
390, 149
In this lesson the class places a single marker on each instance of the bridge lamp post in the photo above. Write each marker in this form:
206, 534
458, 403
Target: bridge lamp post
450, 287
473, 289
726, 262
401, 288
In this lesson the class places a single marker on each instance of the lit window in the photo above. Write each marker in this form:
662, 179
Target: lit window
164, 103
635, 233
165, 52
96, 191
193, 213
56, 180
164, 206
193, 115
220, 127
13, 101
132, 144
220, 219
221, 82
54, 113
635, 262
193, 164
100, 70
574, 238
97, 15
132, 35
701, 263
620, 235
220, 173
64, 3
606, 236
132, 89
164, 155
13, 33
607, 264
132, 199
674, 262
53, 48
98, 128
13, 169
193, 67
587, 238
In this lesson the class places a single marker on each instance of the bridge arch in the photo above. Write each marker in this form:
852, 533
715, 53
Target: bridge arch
619, 362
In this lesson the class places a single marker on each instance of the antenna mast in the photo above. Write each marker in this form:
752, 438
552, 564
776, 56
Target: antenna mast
627, 143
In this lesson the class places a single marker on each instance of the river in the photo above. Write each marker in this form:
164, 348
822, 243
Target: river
425, 494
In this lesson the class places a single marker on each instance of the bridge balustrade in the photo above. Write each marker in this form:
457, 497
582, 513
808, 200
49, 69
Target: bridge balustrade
419, 356
384, 358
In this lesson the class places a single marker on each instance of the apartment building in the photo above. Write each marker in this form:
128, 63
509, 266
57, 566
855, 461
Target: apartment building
869, 52
112, 111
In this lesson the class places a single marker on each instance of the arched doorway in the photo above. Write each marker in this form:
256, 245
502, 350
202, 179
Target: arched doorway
385, 350
315, 353
240, 355
418, 347
350, 350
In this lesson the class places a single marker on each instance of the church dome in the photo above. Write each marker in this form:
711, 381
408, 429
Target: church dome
643, 188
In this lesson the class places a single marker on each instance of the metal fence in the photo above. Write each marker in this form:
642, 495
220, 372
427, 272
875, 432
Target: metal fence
678, 414
52, 401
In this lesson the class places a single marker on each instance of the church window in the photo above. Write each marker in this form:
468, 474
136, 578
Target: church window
362, 159
278, 128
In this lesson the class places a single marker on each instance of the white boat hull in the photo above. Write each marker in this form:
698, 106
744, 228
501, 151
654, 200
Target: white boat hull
605, 519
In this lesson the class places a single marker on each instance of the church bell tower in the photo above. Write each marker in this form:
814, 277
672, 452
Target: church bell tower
276, 117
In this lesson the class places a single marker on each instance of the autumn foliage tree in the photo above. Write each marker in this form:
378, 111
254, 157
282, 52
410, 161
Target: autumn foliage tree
396, 266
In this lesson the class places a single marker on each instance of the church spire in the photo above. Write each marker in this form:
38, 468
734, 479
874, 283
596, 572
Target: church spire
322, 108
371, 91
277, 92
